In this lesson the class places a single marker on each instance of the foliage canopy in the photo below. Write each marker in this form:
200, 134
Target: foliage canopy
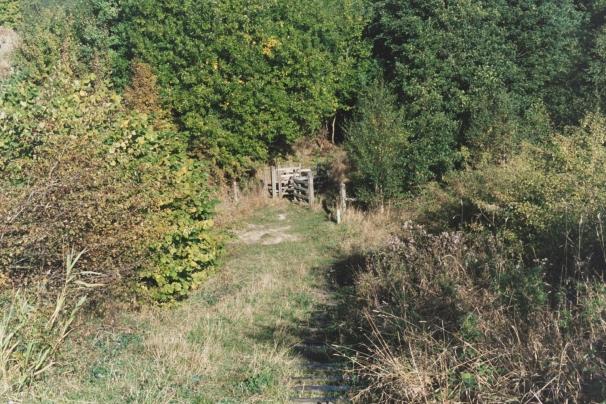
245, 79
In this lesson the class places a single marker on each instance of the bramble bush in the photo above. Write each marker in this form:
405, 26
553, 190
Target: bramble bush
500, 296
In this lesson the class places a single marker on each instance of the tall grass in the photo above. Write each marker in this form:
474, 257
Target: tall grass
31, 334
454, 317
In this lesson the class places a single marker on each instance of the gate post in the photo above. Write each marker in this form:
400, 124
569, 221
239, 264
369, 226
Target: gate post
343, 196
280, 190
273, 181
311, 194
235, 191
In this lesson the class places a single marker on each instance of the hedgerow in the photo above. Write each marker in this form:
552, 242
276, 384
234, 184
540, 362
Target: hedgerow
81, 171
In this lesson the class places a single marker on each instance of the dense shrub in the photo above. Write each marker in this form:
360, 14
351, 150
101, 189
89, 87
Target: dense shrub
80, 171
247, 78
591, 64
455, 318
548, 200
10, 13
511, 306
474, 76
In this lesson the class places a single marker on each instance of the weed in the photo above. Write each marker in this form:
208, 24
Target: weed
259, 382
30, 340
438, 327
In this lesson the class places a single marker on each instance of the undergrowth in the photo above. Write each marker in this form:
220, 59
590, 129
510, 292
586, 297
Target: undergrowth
33, 333
498, 295
447, 317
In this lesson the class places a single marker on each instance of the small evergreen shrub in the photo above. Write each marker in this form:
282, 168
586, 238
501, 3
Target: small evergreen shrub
377, 143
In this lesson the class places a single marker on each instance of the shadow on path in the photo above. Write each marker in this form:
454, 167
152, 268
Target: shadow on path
326, 341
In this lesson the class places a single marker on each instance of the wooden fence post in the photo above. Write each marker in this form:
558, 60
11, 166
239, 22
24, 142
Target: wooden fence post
280, 190
273, 181
311, 194
266, 181
343, 196
236, 191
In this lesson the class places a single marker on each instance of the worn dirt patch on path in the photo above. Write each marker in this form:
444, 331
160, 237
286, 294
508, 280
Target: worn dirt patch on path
266, 235
8, 43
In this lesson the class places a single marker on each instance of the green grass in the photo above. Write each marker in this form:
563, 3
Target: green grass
228, 343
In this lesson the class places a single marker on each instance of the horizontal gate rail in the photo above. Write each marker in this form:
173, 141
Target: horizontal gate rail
293, 182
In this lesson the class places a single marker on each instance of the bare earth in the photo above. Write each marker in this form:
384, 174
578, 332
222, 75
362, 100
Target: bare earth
267, 234
8, 43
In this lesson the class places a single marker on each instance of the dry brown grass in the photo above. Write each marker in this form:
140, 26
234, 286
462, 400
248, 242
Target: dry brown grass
448, 319
33, 332
368, 230
309, 150
231, 212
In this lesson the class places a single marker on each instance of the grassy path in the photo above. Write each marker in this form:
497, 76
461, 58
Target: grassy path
232, 342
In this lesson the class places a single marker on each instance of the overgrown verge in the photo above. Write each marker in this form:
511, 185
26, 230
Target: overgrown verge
499, 295
83, 172
448, 317
32, 332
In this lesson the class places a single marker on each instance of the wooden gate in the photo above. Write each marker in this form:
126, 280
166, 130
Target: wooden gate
293, 182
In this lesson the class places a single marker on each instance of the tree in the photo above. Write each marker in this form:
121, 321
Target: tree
247, 78
468, 72
377, 143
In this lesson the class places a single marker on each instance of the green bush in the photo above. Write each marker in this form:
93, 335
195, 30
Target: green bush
245, 79
79, 170
471, 76
10, 13
547, 200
